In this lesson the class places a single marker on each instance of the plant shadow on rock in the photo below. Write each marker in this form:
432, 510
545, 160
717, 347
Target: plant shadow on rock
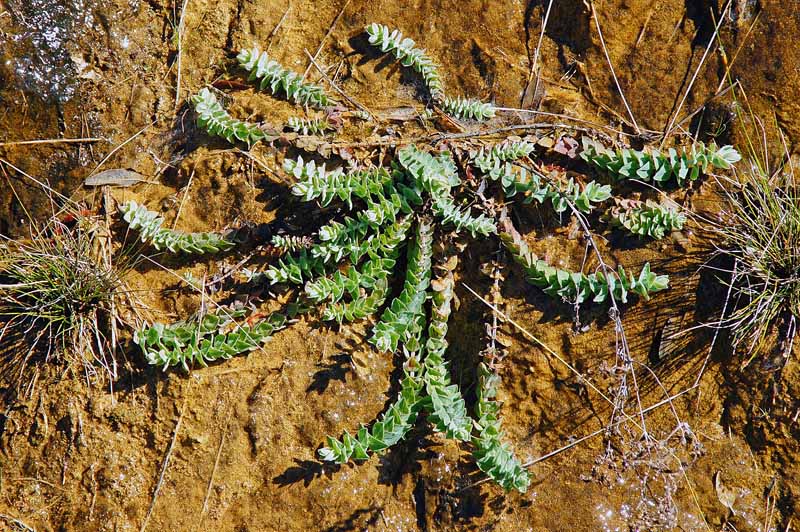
360, 519
336, 370
306, 471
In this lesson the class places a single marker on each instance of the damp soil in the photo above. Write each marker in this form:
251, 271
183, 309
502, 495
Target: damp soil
233, 446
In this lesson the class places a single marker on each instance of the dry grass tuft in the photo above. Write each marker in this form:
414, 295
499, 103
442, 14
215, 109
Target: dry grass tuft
60, 299
759, 233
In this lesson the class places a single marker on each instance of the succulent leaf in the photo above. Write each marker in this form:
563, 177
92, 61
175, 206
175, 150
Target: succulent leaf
212, 117
493, 456
392, 41
652, 165
276, 79
149, 224
468, 109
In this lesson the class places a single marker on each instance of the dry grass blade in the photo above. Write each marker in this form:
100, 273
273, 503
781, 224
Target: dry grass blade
167, 457
213, 474
325, 38
535, 61
50, 141
179, 42
119, 147
335, 87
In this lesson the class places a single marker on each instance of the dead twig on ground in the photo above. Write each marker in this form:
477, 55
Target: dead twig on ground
535, 61
115, 150
278, 25
43, 185
589, 436
336, 87
325, 38
17, 522
185, 194
611, 68
168, 455
180, 53
674, 116
213, 473
86, 140
584, 379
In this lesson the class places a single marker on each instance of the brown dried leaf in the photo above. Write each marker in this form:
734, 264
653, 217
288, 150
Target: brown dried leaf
566, 146
727, 496
504, 340
115, 177
451, 263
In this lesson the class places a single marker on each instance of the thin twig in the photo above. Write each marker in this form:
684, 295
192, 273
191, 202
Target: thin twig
615, 313
115, 150
278, 178
180, 54
183, 199
336, 88
716, 333
167, 457
572, 118
729, 64
589, 436
611, 67
720, 93
549, 350
213, 473
322, 42
17, 522
278, 25
674, 116
534, 63
644, 28
50, 141
43, 185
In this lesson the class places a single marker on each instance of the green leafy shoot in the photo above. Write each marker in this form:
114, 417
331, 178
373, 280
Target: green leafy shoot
280, 81
392, 41
404, 320
309, 126
437, 176
393, 426
648, 218
497, 164
205, 339
651, 165
492, 455
578, 287
149, 224
448, 412
213, 118
468, 109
